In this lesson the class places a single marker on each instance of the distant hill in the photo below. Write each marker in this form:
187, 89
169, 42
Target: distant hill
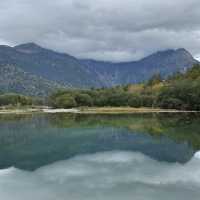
163, 62
31, 69
13, 79
59, 67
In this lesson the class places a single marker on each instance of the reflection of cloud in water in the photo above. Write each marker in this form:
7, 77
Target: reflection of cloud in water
110, 175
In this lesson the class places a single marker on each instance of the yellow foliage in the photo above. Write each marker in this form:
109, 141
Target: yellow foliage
157, 87
136, 88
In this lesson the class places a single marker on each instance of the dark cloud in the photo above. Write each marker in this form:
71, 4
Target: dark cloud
103, 29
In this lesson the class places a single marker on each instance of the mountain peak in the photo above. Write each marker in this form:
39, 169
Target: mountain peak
28, 45
184, 52
29, 48
180, 53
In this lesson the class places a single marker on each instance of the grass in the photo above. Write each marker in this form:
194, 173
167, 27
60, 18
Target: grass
89, 110
119, 110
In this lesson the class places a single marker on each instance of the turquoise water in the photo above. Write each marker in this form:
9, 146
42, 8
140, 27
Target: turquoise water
67, 156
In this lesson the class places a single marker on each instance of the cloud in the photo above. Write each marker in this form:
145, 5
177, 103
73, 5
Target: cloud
103, 29
112, 175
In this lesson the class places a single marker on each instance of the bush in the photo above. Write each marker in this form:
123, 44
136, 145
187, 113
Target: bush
64, 101
171, 103
134, 101
148, 100
83, 100
118, 99
15, 99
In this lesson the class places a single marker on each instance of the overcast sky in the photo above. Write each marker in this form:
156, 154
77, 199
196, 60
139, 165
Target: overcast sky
115, 30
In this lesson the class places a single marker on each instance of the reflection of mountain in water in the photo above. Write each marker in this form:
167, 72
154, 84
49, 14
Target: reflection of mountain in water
31, 142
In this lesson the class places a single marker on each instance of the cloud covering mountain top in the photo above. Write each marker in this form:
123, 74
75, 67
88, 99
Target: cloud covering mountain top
112, 30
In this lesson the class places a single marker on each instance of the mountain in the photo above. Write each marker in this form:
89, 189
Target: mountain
58, 67
163, 62
14, 79
29, 66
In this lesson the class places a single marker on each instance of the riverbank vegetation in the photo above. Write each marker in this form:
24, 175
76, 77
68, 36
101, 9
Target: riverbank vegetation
10, 100
180, 91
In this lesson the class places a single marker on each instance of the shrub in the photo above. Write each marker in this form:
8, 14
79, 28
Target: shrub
15, 99
134, 101
65, 101
83, 100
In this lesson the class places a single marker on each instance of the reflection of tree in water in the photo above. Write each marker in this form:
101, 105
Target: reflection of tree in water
35, 140
179, 127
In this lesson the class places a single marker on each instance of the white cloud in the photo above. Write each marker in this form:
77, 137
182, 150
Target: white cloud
103, 29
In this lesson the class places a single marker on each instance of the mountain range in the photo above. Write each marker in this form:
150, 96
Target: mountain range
33, 70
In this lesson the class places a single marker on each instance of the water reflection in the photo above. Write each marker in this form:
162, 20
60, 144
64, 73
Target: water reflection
111, 175
31, 141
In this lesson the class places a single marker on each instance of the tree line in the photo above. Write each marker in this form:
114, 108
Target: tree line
12, 99
179, 91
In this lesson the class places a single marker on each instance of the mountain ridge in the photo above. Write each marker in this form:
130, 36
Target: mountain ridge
163, 62
70, 72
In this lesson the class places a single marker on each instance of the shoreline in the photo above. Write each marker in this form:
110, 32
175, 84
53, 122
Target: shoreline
92, 110
130, 110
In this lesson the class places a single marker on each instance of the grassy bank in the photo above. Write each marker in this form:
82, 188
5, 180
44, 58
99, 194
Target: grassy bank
121, 110
87, 110
21, 109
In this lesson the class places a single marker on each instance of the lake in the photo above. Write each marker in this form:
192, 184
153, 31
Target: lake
100, 157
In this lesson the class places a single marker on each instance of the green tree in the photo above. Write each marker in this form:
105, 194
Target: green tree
65, 101
83, 100
134, 101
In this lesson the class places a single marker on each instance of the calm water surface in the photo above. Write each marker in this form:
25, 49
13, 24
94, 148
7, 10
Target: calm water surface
99, 157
